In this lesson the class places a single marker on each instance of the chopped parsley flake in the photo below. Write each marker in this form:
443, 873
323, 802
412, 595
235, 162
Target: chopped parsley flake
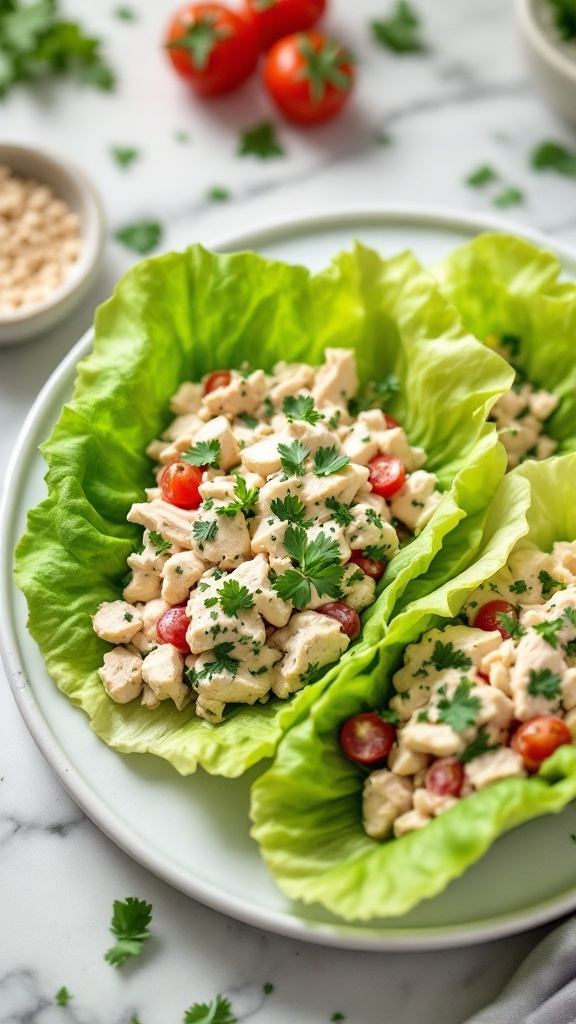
548, 631
548, 583
444, 656
158, 542
128, 616
246, 498
544, 683
205, 529
483, 175
570, 614
340, 512
267, 988
124, 155
375, 519
219, 1011
130, 920
289, 510
142, 236
551, 156
217, 194
234, 598
327, 461
478, 746
511, 625
461, 709
249, 421
260, 141
223, 662
401, 31
292, 458
301, 408
389, 715
508, 197
63, 996
375, 553
205, 453
519, 587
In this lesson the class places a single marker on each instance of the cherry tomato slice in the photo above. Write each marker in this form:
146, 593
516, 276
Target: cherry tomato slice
538, 738
347, 617
366, 739
179, 484
309, 77
369, 566
212, 47
275, 19
390, 422
387, 474
487, 617
445, 776
218, 379
171, 628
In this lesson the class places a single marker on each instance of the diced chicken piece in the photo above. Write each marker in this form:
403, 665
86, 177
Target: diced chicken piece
247, 435
410, 822
231, 542
394, 442
179, 575
162, 670
268, 537
210, 625
542, 404
332, 532
174, 524
117, 622
568, 687
211, 710
527, 564
280, 565
495, 707
290, 379
148, 699
244, 687
403, 761
121, 674
263, 458
431, 804
146, 568
358, 588
432, 738
309, 641
368, 529
406, 702
336, 381
519, 437
360, 445
151, 494
494, 765
254, 576
155, 449
554, 609
535, 656
185, 427
564, 555
385, 797
368, 497
343, 485
187, 399
219, 430
545, 447
497, 665
508, 407
242, 394
570, 720
147, 639
313, 436
276, 488
417, 500
475, 644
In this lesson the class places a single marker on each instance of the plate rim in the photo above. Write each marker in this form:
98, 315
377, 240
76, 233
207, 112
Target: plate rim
362, 936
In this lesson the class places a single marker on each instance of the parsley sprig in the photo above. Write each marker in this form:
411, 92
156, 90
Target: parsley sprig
158, 542
301, 408
205, 453
327, 461
246, 498
460, 710
130, 920
548, 631
234, 598
340, 512
218, 1011
292, 458
544, 684
444, 656
319, 566
290, 510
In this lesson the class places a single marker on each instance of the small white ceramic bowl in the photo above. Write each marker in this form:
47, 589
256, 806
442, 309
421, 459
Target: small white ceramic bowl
70, 184
551, 60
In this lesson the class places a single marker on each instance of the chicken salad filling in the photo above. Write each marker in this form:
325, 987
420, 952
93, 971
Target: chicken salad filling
279, 503
521, 414
475, 703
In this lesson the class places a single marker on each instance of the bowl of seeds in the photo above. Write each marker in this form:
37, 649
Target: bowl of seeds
51, 240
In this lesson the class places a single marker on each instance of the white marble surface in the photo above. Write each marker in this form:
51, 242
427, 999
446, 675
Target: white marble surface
466, 102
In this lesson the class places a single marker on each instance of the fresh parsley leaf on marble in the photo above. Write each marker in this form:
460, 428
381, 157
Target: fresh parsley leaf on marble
125, 13
337, 1017
460, 710
544, 684
181, 137
301, 407
219, 1011
564, 14
141, 236
130, 920
401, 31
483, 175
552, 156
327, 461
124, 155
510, 196
260, 141
205, 453
35, 43
217, 194
63, 996
267, 988
234, 598
292, 458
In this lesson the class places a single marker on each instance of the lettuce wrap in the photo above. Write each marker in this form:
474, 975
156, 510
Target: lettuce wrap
502, 285
307, 807
175, 318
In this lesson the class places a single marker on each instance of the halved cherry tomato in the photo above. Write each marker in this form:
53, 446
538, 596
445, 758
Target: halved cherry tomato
309, 77
390, 422
275, 19
347, 617
179, 483
369, 566
213, 48
538, 738
387, 474
366, 739
445, 776
487, 617
171, 628
218, 379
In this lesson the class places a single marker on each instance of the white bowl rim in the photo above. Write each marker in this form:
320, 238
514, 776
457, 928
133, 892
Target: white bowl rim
93, 241
542, 42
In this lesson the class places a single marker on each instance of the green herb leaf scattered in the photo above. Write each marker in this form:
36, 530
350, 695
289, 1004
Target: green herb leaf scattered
519, 587
63, 996
444, 656
289, 509
461, 709
205, 453
388, 715
544, 683
478, 746
142, 236
234, 598
124, 155
130, 921
267, 988
219, 1011
246, 498
552, 156
548, 582
216, 194
327, 461
548, 631
375, 553
205, 529
319, 562
483, 175
401, 31
125, 13
158, 543
564, 12
292, 458
511, 625
223, 662
509, 197
301, 408
260, 141
340, 512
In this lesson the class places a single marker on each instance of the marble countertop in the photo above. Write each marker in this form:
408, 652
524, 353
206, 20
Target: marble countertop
467, 101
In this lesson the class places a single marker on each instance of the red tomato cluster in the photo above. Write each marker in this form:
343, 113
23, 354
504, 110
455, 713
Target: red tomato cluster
307, 75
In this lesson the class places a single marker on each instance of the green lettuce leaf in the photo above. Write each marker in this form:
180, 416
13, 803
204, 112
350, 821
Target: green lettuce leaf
175, 318
306, 808
504, 285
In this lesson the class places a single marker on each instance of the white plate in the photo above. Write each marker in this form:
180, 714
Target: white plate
193, 832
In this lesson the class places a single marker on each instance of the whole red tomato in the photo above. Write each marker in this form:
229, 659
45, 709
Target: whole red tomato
212, 48
275, 19
309, 77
